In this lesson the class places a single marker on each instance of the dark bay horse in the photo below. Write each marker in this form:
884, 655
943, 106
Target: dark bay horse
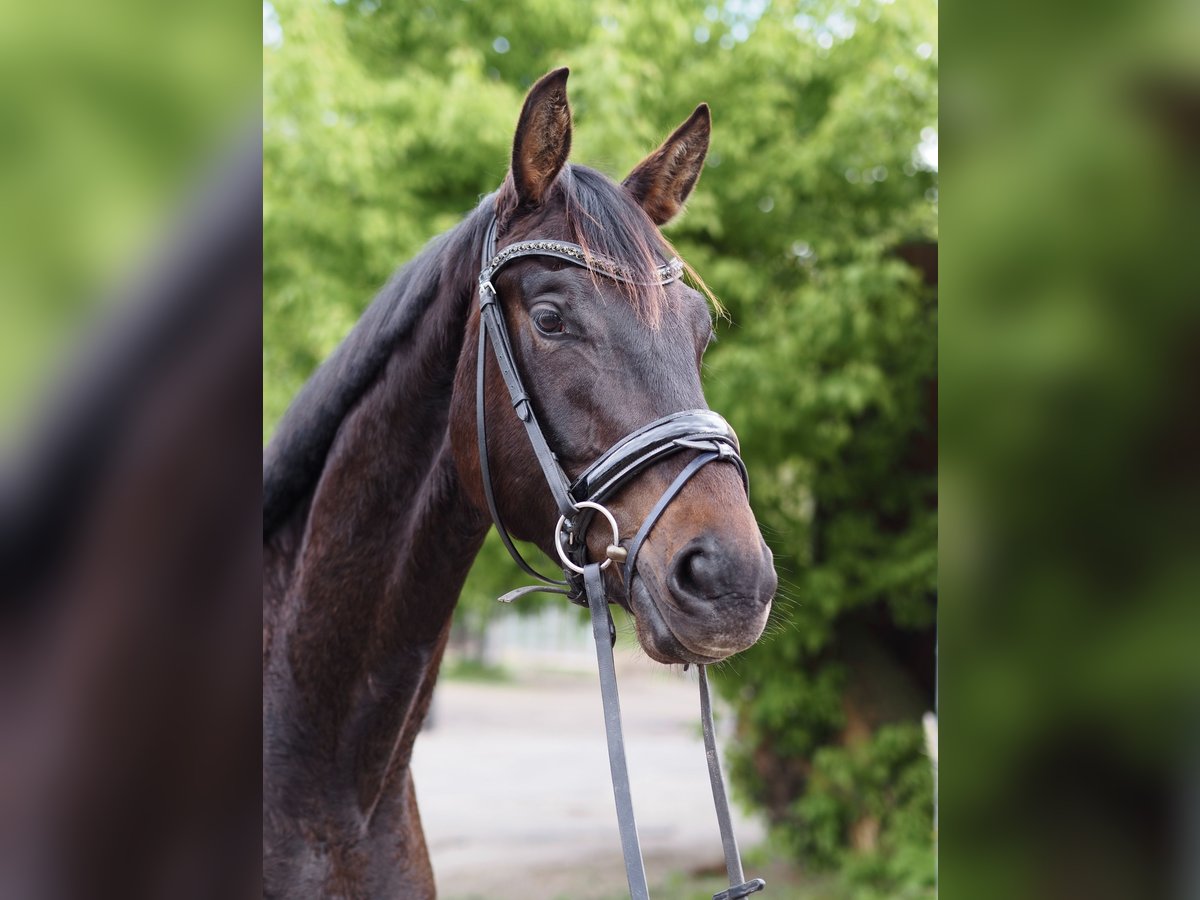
373, 503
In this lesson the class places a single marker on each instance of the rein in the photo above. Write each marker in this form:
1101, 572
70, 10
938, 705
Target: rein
698, 430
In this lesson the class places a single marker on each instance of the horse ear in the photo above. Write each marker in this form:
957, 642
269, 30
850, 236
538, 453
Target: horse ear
665, 178
543, 140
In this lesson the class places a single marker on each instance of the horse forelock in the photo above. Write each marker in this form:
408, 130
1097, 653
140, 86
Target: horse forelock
601, 216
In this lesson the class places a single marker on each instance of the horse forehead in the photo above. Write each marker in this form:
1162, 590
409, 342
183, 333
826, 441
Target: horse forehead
583, 289
683, 314
548, 223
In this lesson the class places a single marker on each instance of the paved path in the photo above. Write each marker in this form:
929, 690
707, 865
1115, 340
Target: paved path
514, 788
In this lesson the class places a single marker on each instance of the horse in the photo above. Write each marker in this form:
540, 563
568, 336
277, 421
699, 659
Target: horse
374, 503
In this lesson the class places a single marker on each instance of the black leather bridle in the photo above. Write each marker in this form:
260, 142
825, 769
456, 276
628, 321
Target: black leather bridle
698, 430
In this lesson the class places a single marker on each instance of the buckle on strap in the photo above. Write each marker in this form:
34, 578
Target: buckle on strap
487, 293
753, 886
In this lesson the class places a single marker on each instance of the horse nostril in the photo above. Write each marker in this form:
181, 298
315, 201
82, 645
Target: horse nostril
700, 572
707, 571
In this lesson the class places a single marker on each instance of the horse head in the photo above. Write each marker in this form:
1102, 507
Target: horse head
602, 357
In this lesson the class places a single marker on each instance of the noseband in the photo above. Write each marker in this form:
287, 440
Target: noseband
700, 431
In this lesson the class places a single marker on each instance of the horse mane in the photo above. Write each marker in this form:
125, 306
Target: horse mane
295, 456
600, 216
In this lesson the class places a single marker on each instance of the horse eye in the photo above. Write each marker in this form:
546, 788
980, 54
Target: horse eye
549, 322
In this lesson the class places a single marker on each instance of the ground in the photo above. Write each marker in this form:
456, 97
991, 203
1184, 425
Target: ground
513, 783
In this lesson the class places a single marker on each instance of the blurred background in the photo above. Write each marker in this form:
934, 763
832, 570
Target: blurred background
1068, 617
1070, 353
815, 223
130, 440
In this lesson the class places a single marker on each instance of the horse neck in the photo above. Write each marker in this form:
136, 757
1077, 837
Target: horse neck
366, 582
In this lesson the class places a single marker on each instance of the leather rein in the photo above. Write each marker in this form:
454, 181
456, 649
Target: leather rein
698, 430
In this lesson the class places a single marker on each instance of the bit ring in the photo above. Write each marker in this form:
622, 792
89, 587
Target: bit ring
562, 520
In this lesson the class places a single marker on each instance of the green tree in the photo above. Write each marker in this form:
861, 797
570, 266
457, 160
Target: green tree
384, 124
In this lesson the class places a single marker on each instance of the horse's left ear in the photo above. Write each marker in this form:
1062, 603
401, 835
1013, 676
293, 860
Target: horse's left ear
665, 178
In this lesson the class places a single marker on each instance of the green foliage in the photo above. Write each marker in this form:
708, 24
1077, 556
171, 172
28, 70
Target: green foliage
107, 121
884, 789
384, 124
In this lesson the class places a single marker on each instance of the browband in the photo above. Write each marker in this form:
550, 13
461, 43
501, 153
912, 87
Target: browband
572, 253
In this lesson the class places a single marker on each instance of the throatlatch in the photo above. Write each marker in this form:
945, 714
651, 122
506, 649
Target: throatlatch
700, 431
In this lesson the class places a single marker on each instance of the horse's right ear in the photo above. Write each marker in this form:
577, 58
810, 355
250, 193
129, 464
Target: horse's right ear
543, 140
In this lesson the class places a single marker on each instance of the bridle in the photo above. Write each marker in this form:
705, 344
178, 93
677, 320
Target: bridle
698, 430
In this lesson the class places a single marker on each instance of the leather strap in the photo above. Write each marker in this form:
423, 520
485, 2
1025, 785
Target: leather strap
572, 253
738, 886
493, 324
485, 469
602, 633
696, 429
668, 495
689, 429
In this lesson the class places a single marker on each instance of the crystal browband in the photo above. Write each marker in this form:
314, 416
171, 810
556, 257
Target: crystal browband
666, 273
